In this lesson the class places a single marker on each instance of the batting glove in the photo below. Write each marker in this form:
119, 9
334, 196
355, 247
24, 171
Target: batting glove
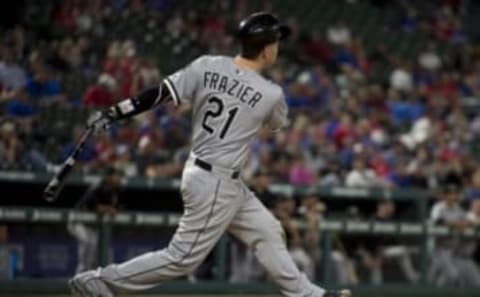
99, 121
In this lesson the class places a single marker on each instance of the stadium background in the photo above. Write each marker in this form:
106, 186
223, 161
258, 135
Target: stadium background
383, 98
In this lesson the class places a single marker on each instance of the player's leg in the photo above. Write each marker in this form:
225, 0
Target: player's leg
238, 263
88, 284
469, 272
210, 205
401, 254
344, 268
82, 251
91, 253
244, 265
86, 240
256, 227
443, 270
303, 261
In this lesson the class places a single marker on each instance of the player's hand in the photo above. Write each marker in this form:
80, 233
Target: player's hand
99, 121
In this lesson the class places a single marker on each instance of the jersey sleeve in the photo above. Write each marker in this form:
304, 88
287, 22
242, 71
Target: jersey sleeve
182, 84
278, 118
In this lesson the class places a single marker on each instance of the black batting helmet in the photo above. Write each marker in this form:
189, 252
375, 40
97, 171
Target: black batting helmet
258, 30
264, 26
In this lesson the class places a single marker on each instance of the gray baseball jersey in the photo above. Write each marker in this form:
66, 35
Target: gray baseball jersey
229, 106
442, 212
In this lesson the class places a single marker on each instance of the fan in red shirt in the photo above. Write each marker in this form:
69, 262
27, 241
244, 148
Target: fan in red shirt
345, 129
120, 62
102, 93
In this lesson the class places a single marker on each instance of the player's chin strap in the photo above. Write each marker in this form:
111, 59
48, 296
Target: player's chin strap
144, 101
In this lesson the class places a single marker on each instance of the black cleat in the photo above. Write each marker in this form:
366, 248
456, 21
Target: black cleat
339, 293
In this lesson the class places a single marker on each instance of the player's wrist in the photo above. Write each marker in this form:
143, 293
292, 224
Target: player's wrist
123, 109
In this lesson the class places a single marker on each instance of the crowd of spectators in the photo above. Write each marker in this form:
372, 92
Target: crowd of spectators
405, 128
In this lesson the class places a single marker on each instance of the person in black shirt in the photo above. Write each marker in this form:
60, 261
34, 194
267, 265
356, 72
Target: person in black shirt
101, 198
260, 186
377, 249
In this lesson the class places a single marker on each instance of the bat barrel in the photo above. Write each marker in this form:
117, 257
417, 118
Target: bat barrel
55, 185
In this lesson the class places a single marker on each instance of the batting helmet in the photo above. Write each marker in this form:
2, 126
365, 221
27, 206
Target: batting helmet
262, 27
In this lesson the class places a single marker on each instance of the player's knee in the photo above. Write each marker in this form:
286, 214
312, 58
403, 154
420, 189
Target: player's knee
182, 263
186, 267
175, 255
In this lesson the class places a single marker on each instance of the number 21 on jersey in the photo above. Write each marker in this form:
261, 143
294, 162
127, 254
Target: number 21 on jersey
215, 109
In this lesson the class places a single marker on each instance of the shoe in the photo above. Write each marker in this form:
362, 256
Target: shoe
89, 284
340, 293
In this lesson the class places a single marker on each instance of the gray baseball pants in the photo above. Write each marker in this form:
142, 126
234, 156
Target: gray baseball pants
214, 203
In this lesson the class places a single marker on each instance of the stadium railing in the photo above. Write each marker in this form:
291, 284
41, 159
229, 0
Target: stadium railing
422, 231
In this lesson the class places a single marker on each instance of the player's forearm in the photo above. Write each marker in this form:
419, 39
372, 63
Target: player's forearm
142, 102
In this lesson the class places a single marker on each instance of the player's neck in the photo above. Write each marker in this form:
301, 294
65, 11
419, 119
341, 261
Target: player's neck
244, 63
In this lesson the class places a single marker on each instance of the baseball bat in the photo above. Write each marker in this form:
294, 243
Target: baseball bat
56, 184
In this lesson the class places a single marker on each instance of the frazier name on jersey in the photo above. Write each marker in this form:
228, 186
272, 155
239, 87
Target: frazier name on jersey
232, 87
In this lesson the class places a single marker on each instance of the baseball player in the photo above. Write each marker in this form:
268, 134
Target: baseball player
231, 101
